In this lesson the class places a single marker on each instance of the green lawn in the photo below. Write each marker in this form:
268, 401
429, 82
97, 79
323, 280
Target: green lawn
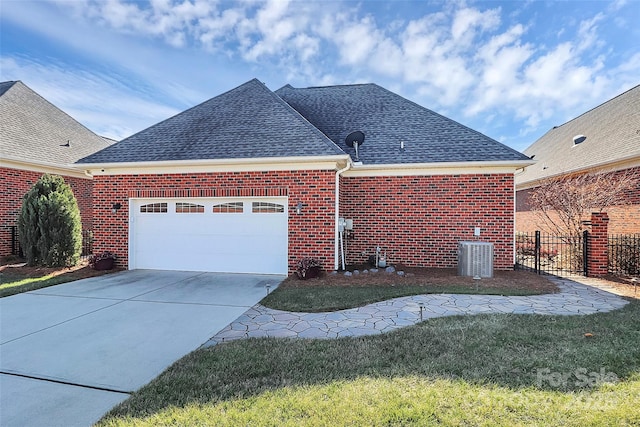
467, 370
315, 299
15, 286
24, 279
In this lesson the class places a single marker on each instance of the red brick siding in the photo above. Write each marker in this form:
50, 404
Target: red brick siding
623, 218
598, 263
15, 183
310, 234
419, 220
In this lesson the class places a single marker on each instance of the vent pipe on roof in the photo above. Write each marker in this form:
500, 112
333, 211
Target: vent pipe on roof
578, 139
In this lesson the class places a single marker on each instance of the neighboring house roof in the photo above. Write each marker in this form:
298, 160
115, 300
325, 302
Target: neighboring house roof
247, 122
612, 132
34, 131
386, 119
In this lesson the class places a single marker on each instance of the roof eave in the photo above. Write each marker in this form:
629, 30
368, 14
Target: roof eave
438, 168
42, 167
216, 165
613, 165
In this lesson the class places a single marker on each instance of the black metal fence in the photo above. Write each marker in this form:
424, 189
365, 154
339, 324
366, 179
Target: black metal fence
87, 243
15, 242
551, 254
624, 254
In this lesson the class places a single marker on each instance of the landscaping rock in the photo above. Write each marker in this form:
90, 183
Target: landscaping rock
348, 273
356, 272
374, 270
365, 271
400, 273
390, 269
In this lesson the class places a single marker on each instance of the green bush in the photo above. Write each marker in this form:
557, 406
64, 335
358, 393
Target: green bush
49, 224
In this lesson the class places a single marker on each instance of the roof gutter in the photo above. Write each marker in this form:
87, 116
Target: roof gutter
336, 255
211, 165
436, 168
610, 166
42, 167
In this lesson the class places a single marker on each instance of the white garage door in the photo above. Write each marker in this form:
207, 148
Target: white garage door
227, 235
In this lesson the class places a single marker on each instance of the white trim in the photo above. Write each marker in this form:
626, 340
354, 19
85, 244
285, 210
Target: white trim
444, 168
43, 167
216, 165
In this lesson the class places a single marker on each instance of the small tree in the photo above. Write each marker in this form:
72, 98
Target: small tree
564, 203
49, 224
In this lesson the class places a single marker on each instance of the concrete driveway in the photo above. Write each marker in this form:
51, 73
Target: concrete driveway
70, 352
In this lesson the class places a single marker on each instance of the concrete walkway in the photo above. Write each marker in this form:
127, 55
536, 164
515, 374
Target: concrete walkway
573, 299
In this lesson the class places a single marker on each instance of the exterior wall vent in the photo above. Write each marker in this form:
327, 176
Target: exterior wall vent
578, 139
475, 259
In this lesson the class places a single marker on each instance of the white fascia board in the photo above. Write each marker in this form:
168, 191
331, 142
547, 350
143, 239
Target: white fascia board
443, 168
616, 165
217, 165
43, 167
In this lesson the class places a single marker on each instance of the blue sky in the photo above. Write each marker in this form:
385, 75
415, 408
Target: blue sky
509, 69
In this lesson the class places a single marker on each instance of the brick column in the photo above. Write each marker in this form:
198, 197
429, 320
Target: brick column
597, 253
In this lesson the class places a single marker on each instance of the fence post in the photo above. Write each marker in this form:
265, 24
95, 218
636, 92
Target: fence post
597, 259
537, 252
13, 240
585, 253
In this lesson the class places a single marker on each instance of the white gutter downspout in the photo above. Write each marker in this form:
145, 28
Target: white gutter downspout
336, 256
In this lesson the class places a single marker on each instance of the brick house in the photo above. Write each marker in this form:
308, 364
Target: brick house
606, 138
36, 138
253, 180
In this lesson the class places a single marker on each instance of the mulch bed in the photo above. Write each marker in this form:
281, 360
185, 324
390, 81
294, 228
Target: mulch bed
432, 277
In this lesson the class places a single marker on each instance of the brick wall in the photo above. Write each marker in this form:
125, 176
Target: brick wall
419, 220
623, 218
15, 183
310, 234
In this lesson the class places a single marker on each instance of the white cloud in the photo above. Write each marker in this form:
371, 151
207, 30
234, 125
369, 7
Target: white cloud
99, 101
467, 21
462, 58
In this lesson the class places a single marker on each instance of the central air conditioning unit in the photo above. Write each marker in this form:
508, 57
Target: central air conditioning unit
475, 259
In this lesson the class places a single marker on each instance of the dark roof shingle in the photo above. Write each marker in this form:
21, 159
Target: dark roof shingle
247, 122
387, 119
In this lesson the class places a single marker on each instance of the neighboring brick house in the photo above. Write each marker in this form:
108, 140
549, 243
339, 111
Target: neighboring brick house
606, 138
253, 180
36, 138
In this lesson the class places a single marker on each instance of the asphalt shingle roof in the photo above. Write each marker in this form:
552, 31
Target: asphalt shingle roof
387, 119
34, 130
612, 130
249, 121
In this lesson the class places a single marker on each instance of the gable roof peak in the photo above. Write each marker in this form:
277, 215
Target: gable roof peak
33, 130
246, 122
